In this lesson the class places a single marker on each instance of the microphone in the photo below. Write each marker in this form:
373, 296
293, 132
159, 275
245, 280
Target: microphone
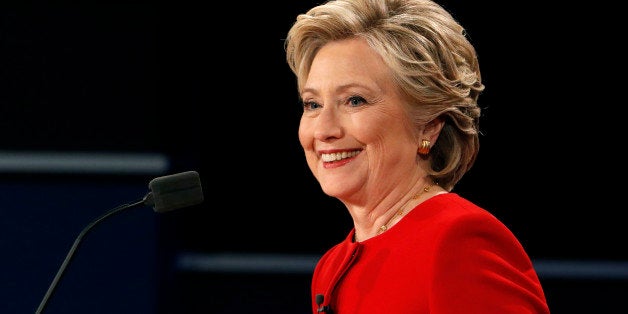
320, 298
174, 191
166, 193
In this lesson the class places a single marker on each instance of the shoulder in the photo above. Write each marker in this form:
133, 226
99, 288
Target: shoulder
463, 236
450, 211
456, 221
474, 251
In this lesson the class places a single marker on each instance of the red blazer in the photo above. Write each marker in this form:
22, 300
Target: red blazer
447, 255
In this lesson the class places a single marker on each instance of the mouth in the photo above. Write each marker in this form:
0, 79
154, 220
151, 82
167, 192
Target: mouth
339, 155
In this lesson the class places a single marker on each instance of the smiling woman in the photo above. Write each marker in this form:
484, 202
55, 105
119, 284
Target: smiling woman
99, 96
390, 124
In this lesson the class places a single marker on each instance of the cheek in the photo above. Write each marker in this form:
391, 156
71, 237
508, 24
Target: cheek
374, 129
387, 134
305, 137
307, 143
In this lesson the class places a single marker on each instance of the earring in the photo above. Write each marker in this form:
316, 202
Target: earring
424, 148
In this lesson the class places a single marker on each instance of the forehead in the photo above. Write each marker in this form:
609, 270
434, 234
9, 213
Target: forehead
348, 61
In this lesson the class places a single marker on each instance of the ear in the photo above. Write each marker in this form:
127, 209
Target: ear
432, 129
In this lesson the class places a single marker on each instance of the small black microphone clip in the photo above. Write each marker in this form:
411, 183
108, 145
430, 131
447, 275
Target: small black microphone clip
322, 308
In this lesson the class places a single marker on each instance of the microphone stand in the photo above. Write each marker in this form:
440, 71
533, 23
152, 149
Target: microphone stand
78, 240
166, 193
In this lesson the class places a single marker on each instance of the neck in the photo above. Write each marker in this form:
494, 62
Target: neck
401, 211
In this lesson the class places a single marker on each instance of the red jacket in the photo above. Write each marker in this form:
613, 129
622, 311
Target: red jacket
447, 255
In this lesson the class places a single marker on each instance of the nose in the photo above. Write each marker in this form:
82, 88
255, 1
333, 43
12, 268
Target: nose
328, 124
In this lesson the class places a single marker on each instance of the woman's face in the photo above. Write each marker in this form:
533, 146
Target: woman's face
357, 138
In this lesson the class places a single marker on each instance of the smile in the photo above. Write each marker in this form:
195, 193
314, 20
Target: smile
339, 156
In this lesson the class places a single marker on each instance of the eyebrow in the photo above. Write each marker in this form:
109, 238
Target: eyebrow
343, 88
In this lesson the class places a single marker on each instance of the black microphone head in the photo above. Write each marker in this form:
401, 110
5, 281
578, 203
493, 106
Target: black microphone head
319, 299
174, 191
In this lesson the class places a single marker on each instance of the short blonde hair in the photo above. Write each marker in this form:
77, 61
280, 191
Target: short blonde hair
431, 59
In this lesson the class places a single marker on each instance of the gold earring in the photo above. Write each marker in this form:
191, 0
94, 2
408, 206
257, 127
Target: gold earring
424, 148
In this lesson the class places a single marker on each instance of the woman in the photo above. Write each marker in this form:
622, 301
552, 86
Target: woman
389, 126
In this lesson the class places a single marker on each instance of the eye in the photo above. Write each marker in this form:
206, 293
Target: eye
310, 105
356, 101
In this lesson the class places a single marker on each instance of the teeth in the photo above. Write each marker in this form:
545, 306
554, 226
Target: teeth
339, 156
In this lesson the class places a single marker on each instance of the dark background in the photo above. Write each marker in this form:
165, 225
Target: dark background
207, 86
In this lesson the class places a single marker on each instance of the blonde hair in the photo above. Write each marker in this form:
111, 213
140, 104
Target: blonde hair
431, 59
